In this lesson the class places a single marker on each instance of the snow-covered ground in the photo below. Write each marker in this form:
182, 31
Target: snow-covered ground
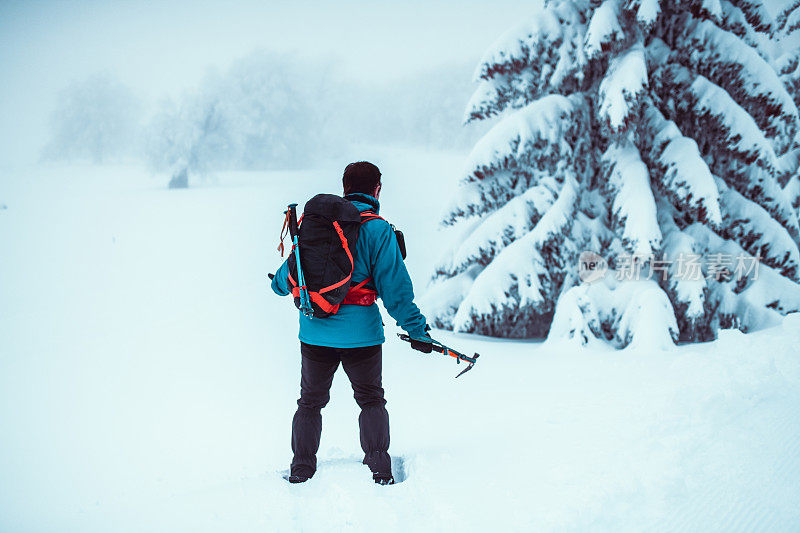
148, 378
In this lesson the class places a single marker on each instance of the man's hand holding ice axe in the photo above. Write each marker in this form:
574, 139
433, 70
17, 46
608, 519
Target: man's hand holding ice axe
426, 344
422, 342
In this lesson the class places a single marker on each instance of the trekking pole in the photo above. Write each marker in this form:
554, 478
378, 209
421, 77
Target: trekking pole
441, 348
305, 301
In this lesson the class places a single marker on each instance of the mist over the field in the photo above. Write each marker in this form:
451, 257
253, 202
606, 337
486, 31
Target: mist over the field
127, 81
251, 85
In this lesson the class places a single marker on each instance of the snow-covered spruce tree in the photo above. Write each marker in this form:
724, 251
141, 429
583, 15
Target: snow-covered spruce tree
644, 130
788, 64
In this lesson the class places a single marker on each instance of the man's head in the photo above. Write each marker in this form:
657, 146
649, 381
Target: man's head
363, 177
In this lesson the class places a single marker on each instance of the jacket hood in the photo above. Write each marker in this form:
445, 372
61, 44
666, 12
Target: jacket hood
364, 202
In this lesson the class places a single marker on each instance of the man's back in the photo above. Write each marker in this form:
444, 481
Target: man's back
377, 258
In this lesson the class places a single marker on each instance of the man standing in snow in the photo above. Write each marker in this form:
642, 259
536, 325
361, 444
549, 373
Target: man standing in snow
354, 335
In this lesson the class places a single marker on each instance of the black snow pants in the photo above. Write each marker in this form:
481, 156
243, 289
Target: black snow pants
363, 368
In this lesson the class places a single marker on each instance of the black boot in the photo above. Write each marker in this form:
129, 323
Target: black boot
383, 479
295, 479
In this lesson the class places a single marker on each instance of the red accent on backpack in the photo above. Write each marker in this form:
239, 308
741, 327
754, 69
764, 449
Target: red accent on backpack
366, 216
358, 294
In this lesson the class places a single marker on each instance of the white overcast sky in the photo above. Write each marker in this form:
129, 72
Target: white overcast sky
161, 48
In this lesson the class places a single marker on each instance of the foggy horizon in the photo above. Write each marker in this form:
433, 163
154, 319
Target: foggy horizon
163, 50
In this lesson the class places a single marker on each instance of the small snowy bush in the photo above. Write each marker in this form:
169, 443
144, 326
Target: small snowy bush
644, 129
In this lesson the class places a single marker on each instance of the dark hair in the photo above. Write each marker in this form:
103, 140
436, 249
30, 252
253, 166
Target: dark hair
361, 177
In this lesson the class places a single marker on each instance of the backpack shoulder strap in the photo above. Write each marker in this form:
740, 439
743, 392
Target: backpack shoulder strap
401, 240
369, 215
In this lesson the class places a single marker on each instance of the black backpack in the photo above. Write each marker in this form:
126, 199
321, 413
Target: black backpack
328, 232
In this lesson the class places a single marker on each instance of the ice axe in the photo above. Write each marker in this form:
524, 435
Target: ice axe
441, 348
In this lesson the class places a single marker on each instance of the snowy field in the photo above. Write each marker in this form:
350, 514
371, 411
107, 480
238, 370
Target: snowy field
148, 378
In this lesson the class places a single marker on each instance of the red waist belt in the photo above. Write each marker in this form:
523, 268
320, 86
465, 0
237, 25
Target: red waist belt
360, 295
357, 295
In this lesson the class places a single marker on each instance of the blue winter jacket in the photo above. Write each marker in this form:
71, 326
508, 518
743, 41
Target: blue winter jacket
378, 257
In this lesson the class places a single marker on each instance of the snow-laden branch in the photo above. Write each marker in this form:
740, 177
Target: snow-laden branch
728, 62
758, 233
676, 165
633, 207
502, 227
756, 14
645, 11
689, 294
521, 283
758, 303
638, 313
604, 28
545, 122
622, 88
547, 138
540, 56
741, 153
